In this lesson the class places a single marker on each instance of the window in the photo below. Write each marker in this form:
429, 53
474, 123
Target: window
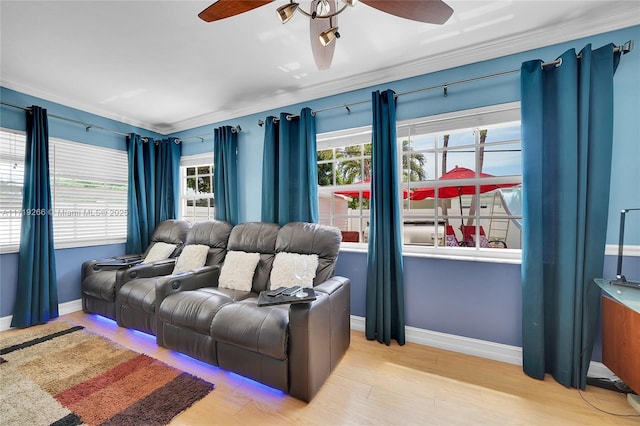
481, 210
88, 192
196, 189
344, 179
89, 196
11, 178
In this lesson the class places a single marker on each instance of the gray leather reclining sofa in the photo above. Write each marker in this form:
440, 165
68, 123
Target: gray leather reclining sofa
101, 278
291, 347
136, 296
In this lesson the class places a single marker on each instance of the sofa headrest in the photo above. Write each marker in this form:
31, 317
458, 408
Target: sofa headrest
171, 231
212, 233
312, 238
254, 237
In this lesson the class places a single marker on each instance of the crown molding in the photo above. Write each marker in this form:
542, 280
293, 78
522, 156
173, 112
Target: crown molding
521, 43
82, 106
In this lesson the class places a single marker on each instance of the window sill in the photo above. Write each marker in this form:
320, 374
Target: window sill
90, 243
487, 255
67, 245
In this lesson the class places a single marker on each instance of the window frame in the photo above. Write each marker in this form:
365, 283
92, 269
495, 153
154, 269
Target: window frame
360, 136
476, 117
195, 160
10, 209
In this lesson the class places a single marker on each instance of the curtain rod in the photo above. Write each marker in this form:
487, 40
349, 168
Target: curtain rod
625, 48
87, 126
234, 129
201, 137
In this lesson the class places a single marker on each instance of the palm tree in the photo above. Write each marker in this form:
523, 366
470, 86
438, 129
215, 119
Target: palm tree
325, 170
412, 164
357, 169
353, 164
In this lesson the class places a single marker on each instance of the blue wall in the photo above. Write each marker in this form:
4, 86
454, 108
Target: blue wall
626, 149
466, 298
68, 261
472, 299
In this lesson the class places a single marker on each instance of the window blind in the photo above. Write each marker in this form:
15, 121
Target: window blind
88, 191
11, 178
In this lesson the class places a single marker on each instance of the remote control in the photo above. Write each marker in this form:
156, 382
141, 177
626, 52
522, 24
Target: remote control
292, 291
276, 292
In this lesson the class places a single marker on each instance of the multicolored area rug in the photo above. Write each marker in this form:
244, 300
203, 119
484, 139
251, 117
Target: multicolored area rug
64, 375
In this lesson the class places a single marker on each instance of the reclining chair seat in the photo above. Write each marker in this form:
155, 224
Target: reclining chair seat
263, 329
141, 296
99, 284
136, 296
194, 310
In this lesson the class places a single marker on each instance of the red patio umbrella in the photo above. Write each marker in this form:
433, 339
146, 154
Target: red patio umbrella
451, 191
366, 193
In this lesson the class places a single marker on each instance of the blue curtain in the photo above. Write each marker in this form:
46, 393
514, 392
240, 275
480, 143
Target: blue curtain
270, 170
225, 179
289, 169
567, 127
385, 277
154, 173
167, 180
37, 292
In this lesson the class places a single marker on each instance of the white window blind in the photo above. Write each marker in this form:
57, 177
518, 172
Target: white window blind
88, 191
11, 178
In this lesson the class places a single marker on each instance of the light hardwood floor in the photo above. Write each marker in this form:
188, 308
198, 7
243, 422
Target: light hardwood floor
379, 385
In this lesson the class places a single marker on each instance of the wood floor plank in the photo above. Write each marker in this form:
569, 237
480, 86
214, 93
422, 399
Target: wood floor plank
378, 385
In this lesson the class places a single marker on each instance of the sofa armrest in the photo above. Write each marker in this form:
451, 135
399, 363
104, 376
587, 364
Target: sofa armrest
90, 267
319, 335
207, 276
332, 285
129, 257
144, 270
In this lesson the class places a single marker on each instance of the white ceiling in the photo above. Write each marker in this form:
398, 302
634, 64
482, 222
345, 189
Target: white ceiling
156, 65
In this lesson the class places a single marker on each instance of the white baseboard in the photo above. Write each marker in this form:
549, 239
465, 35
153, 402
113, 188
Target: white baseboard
63, 309
466, 345
450, 342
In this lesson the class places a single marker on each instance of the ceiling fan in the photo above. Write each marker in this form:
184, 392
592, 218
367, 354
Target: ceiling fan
323, 17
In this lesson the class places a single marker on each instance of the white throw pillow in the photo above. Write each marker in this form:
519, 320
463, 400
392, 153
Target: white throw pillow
291, 269
193, 256
159, 251
238, 269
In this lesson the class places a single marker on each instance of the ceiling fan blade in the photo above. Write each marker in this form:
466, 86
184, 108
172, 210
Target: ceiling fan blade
428, 11
222, 9
322, 55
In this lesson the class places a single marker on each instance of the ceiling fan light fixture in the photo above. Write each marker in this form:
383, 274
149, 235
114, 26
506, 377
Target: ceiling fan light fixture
350, 2
328, 36
286, 12
322, 9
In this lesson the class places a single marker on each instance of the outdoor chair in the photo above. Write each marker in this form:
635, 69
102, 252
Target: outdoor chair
450, 239
469, 233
